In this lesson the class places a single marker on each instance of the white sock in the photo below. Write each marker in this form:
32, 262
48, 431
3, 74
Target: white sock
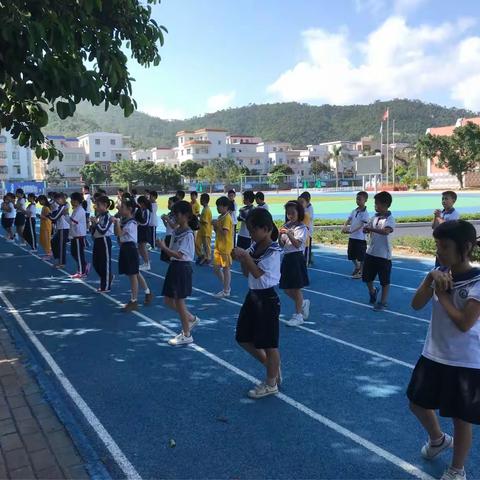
147, 291
133, 300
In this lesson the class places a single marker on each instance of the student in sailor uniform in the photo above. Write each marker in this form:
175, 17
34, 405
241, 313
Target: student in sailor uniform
170, 225
102, 230
233, 214
311, 214
128, 261
142, 216
357, 243
59, 218
447, 375
178, 280
293, 237
78, 233
258, 322
447, 214
30, 233
20, 206
152, 196
8, 215
243, 240
88, 206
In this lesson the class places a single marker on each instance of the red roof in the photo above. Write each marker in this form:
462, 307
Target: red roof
448, 130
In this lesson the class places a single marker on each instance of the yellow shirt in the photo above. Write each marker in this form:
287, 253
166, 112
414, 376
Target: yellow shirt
306, 221
205, 229
224, 234
196, 208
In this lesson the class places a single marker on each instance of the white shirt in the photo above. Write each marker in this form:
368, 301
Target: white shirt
264, 206
129, 231
309, 210
153, 216
183, 241
88, 199
381, 245
358, 219
104, 227
20, 205
449, 215
168, 228
31, 211
269, 262
300, 232
242, 216
78, 223
60, 218
233, 214
11, 212
445, 342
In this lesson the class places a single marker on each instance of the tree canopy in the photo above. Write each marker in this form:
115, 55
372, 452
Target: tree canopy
282, 169
56, 54
189, 169
93, 173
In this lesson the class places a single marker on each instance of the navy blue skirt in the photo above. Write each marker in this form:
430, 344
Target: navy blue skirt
20, 219
178, 280
293, 271
128, 261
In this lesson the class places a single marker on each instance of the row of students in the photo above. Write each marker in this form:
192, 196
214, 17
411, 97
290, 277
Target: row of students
13, 210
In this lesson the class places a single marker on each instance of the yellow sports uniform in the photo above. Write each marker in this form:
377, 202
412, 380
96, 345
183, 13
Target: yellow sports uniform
196, 208
203, 239
306, 221
223, 241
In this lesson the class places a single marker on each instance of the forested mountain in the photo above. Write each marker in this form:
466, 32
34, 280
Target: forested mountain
300, 124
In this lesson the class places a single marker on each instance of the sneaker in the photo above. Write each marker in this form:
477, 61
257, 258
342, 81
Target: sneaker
148, 298
145, 267
130, 306
373, 296
357, 275
379, 306
194, 322
296, 320
306, 309
100, 290
223, 294
262, 390
76, 275
58, 266
429, 451
453, 474
180, 339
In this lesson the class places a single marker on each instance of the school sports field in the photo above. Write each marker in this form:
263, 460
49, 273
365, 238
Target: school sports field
140, 408
339, 205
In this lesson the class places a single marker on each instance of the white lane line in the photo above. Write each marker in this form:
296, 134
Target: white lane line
349, 276
364, 305
119, 457
372, 447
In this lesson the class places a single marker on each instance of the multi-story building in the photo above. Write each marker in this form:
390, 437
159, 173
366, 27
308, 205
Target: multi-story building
201, 145
164, 156
105, 148
138, 155
69, 167
15, 161
348, 154
243, 149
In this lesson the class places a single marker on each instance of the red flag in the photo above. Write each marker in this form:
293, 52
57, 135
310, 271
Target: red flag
385, 115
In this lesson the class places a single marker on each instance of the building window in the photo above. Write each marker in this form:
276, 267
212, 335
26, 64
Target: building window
97, 154
118, 157
232, 150
17, 169
219, 155
189, 151
14, 155
112, 141
97, 141
3, 154
197, 150
182, 152
274, 149
219, 142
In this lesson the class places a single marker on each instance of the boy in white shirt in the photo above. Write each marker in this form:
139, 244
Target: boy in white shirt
357, 243
448, 213
378, 260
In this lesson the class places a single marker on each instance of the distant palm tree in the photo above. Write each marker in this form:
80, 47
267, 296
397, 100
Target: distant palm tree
336, 155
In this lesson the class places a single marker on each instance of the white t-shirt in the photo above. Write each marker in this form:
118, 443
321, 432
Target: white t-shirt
233, 214
183, 241
168, 228
153, 216
300, 232
309, 210
31, 211
11, 212
264, 206
358, 219
88, 199
381, 245
129, 231
78, 223
242, 217
445, 342
269, 262
20, 205
449, 215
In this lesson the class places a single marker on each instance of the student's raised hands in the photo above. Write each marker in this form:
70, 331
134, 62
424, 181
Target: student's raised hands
239, 253
442, 281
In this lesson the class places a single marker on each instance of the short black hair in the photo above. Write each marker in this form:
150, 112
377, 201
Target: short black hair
180, 194
143, 200
86, 187
19, 191
232, 191
451, 194
194, 192
298, 207
260, 196
261, 218
205, 197
32, 195
363, 194
183, 207
461, 232
306, 195
134, 191
153, 193
249, 195
384, 198
225, 202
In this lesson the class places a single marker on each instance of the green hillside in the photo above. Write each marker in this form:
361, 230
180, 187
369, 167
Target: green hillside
300, 124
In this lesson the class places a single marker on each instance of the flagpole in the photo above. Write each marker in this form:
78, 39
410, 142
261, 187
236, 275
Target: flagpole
393, 153
381, 150
388, 126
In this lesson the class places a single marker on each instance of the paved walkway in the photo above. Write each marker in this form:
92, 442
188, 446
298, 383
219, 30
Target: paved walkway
33, 442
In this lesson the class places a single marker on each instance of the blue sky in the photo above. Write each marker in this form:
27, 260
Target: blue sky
225, 53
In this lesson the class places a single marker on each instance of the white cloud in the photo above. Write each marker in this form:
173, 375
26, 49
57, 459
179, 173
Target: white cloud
395, 60
163, 112
220, 101
399, 7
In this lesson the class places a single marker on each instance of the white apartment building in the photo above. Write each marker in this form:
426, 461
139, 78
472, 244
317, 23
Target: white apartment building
164, 156
243, 149
138, 155
349, 152
201, 145
105, 148
15, 161
73, 159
